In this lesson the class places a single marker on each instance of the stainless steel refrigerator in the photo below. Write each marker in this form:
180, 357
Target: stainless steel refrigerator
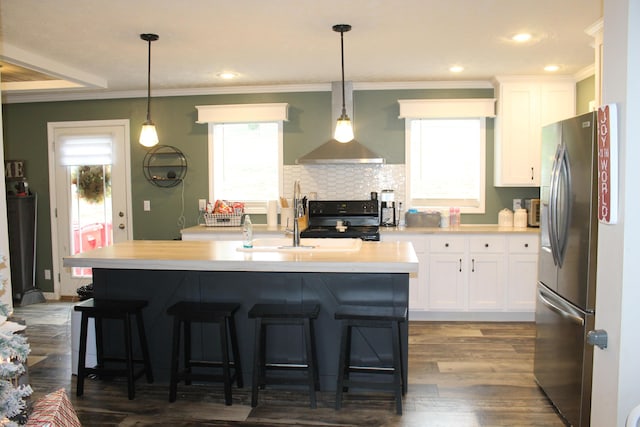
565, 307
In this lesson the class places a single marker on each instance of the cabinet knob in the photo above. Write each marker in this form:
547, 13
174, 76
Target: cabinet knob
446, 245
486, 245
526, 245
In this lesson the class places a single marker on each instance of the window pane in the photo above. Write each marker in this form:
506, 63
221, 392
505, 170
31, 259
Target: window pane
246, 158
91, 219
446, 162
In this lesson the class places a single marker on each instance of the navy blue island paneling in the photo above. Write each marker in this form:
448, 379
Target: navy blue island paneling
162, 288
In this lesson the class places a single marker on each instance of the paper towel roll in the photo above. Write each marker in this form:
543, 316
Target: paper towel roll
272, 213
286, 217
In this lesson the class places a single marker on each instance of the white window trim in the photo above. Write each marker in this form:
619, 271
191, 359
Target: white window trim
479, 108
244, 113
447, 108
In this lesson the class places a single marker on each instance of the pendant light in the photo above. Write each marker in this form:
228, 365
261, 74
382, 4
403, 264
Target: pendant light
148, 134
344, 127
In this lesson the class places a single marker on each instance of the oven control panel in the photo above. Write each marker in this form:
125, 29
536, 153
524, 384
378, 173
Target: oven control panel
334, 208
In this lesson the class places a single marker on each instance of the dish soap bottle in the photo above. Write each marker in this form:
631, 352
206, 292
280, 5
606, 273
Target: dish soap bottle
247, 232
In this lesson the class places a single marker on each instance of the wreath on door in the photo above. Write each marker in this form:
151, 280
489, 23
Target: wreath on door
92, 182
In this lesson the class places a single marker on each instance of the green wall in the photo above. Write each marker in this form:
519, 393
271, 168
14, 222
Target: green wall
375, 118
585, 93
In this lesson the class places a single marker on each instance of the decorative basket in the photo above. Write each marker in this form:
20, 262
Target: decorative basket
222, 220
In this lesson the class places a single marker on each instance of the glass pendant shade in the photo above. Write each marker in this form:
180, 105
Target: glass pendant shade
344, 130
148, 134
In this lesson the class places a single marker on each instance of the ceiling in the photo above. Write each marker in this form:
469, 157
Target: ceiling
69, 46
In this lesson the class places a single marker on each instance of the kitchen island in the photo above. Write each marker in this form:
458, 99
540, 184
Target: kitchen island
164, 272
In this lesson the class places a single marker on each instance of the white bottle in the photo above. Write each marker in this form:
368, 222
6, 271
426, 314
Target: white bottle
401, 218
247, 232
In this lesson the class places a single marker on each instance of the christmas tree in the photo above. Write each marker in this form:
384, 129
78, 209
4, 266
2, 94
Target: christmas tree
14, 349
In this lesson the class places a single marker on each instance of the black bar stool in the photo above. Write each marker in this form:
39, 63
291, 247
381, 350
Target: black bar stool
371, 317
184, 314
124, 310
284, 314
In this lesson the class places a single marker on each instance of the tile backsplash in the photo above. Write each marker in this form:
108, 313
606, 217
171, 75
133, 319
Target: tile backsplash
345, 182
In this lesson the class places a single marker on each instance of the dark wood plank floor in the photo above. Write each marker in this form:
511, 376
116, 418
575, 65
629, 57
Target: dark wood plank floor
460, 374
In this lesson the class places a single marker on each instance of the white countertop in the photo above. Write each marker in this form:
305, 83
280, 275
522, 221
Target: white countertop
203, 232
211, 255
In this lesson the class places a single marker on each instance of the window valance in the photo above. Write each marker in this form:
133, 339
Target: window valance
446, 108
243, 113
76, 150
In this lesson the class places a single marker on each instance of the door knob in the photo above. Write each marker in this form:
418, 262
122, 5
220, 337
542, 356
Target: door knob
120, 214
121, 226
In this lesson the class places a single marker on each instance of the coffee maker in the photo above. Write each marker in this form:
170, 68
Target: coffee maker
387, 208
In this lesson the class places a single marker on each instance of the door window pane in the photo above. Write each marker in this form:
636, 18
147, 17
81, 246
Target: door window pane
91, 207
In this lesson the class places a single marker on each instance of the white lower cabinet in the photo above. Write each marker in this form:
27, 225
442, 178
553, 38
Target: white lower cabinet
473, 276
447, 278
523, 272
486, 273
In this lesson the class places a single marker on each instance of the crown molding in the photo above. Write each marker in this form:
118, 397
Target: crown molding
586, 72
18, 97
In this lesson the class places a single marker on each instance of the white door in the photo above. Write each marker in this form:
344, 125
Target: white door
90, 192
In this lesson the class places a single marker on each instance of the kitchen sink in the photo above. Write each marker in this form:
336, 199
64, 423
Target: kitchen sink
284, 244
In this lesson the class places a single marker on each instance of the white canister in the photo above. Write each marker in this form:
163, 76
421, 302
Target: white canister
505, 218
520, 218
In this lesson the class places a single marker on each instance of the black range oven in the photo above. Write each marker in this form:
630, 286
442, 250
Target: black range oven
359, 219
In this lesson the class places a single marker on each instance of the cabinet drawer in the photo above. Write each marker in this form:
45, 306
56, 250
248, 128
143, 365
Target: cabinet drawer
488, 244
444, 244
523, 244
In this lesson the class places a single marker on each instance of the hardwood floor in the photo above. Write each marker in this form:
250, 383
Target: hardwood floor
460, 374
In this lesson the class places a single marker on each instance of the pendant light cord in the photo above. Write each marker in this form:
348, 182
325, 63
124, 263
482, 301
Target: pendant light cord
344, 110
149, 37
149, 82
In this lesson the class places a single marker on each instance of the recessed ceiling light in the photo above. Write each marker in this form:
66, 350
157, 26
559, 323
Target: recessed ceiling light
551, 68
521, 37
456, 68
227, 75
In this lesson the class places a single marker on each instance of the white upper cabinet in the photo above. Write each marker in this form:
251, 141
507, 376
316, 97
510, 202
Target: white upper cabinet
524, 106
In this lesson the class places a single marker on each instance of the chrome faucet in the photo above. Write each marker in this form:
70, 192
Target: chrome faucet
297, 212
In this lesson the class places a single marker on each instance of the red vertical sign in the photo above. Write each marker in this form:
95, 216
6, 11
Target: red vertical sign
607, 164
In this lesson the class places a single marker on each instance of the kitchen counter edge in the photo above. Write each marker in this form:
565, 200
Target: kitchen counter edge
202, 231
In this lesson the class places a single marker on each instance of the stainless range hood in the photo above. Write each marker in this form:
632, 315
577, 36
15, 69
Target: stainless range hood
332, 151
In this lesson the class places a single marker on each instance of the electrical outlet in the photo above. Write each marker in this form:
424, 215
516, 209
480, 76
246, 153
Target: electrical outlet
47, 274
202, 205
147, 205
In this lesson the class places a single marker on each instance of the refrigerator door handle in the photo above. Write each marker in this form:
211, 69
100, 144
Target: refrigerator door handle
552, 221
564, 204
560, 310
